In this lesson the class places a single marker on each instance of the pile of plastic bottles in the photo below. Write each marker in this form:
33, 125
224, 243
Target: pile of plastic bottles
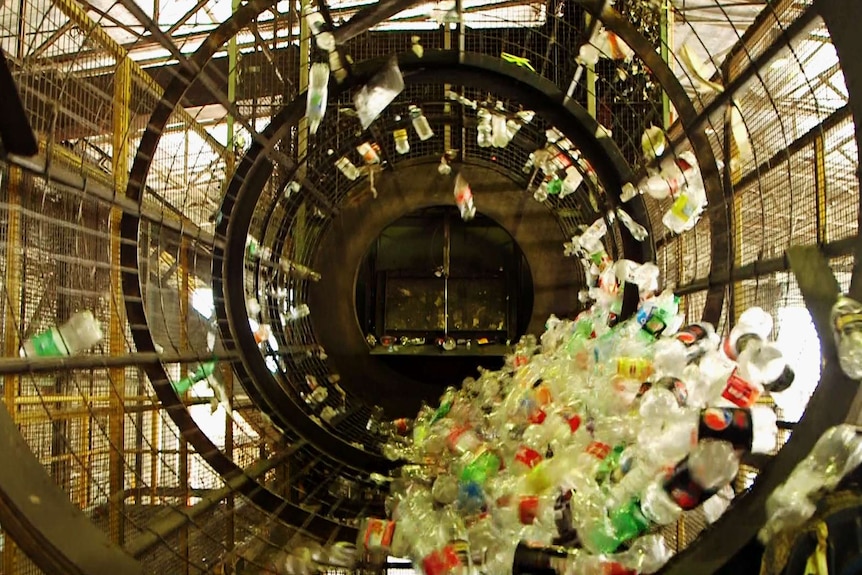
589, 437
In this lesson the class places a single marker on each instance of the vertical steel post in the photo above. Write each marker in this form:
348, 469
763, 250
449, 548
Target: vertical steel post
117, 332
666, 48
12, 281
821, 185
302, 135
184, 297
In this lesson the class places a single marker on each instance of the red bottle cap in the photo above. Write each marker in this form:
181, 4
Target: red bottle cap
538, 416
574, 422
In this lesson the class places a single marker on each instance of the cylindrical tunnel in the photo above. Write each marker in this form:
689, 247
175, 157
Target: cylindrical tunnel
272, 286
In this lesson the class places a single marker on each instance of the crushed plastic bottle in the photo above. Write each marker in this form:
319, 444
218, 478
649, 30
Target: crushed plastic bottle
847, 326
378, 93
637, 231
464, 198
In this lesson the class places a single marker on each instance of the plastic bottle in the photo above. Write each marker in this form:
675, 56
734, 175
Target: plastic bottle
297, 270
754, 325
572, 181
420, 123
297, 312
637, 231
836, 453
402, 143
500, 131
350, 171
369, 152
484, 130
80, 333
316, 99
684, 212
378, 93
316, 23
847, 326
653, 142
202, 372
464, 198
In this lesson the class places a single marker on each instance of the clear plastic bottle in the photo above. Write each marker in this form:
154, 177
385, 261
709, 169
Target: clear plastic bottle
369, 152
836, 453
484, 130
710, 466
500, 132
420, 123
655, 187
317, 96
572, 181
684, 212
847, 326
297, 312
350, 171
402, 143
316, 23
80, 333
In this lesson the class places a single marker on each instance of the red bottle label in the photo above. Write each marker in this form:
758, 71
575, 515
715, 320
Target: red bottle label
740, 391
527, 456
598, 450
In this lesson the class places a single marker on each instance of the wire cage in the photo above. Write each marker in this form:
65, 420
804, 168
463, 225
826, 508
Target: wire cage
225, 418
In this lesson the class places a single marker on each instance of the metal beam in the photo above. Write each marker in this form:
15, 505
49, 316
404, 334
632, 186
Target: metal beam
11, 365
371, 16
13, 303
761, 268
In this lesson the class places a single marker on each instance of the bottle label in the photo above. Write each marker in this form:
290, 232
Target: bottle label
740, 391
730, 424
691, 334
634, 367
527, 456
683, 208
441, 561
677, 387
656, 322
528, 509
684, 490
462, 552
598, 450
378, 534
853, 321
49, 343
